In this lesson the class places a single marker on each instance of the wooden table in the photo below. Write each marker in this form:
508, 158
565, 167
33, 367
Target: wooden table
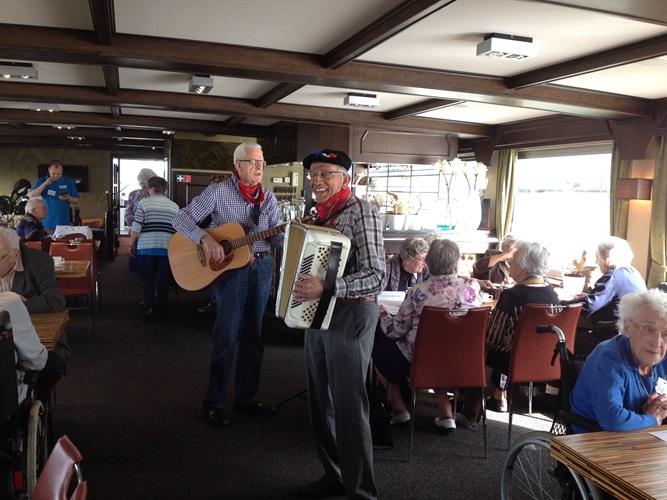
50, 327
73, 269
629, 465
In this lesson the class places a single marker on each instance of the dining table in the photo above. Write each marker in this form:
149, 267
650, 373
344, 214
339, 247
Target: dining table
628, 465
50, 327
72, 269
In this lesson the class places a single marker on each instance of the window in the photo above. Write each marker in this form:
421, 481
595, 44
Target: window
562, 201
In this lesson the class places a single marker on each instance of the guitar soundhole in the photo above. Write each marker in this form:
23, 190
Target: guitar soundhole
227, 247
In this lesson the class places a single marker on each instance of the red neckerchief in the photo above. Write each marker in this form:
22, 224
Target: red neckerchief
253, 195
333, 205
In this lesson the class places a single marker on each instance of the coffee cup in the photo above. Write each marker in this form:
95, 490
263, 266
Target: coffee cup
487, 297
58, 261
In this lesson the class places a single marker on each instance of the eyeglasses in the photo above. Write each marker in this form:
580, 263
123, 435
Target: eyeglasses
256, 163
650, 331
324, 175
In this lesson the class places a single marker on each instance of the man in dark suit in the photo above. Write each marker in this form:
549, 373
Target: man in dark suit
29, 273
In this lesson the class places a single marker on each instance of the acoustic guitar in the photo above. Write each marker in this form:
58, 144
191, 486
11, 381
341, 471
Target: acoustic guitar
191, 265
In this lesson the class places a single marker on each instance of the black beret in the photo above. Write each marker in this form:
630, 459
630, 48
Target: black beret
328, 156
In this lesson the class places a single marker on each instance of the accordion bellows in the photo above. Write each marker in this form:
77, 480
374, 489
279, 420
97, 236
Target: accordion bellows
307, 250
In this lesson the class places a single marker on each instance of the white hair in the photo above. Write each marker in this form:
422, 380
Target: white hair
239, 152
9, 238
32, 202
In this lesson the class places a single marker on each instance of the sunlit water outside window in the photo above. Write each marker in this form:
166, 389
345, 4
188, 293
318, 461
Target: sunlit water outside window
563, 203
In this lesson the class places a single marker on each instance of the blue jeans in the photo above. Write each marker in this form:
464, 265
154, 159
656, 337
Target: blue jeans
241, 300
155, 275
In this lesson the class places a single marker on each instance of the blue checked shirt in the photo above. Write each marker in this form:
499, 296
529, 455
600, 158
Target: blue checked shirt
365, 268
224, 203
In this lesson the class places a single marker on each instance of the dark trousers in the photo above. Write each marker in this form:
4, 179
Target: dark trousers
241, 300
155, 275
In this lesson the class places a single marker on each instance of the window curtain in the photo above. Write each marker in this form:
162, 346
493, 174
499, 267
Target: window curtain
505, 191
658, 268
618, 209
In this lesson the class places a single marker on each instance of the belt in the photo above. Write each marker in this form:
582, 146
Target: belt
371, 298
261, 255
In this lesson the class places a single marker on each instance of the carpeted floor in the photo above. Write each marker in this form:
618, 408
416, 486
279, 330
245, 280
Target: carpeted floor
131, 402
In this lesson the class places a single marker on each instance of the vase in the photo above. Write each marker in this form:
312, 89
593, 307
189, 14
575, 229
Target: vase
396, 222
440, 214
469, 211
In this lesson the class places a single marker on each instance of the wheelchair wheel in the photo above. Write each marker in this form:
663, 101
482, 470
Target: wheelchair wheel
37, 444
530, 472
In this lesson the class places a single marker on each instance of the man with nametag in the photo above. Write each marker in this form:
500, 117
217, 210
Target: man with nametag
58, 192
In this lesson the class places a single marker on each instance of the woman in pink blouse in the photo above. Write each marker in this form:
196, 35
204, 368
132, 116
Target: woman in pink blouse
393, 355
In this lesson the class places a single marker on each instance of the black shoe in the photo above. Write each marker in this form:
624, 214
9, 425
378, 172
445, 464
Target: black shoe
321, 488
210, 307
150, 314
257, 409
217, 417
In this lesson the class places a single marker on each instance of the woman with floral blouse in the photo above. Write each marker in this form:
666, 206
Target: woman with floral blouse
393, 355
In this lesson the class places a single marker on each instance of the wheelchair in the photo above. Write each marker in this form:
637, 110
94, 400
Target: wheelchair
24, 428
529, 471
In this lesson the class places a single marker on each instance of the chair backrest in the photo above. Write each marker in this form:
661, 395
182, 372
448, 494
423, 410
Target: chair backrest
82, 251
450, 350
530, 359
55, 478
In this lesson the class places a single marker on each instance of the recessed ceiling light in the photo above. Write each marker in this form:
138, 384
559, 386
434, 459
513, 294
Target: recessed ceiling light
23, 71
51, 108
201, 84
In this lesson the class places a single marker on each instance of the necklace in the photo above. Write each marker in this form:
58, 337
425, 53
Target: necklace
641, 379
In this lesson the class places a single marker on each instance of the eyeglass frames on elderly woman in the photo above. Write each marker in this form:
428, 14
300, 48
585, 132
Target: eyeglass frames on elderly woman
649, 331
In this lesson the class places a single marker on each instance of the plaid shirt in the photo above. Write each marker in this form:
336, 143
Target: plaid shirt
365, 268
224, 203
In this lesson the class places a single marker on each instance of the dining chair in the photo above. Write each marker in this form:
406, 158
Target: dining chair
74, 287
56, 477
449, 354
532, 353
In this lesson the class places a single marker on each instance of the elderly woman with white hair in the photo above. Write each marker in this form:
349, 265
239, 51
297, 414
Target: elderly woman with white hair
528, 266
622, 383
408, 266
614, 257
137, 195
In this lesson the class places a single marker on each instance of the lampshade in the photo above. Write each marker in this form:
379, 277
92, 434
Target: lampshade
634, 189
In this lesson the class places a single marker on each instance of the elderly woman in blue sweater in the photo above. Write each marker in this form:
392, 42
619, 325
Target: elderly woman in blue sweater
620, 386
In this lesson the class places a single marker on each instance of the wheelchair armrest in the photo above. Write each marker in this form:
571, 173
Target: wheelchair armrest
579, 421
30, 377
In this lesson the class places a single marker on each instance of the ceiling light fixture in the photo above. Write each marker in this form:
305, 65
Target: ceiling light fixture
51, 108
361, 100
201, 84
66, 127
502, 46
23, 71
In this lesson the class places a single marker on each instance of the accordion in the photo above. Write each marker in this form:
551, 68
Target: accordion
319, 251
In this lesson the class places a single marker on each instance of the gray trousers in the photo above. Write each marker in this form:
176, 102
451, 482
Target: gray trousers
337, 362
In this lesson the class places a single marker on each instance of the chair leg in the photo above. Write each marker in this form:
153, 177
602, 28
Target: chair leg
486, 444
413, 403
509, 409
530, 398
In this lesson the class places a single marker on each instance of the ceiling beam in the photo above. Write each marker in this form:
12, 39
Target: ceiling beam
104, 20
79, 47
155, 122
396, 20
420, 107
45, 131
619, 56
148, 99
648, 11
276, 94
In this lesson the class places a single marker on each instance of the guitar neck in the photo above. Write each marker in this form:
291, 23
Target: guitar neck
249, 239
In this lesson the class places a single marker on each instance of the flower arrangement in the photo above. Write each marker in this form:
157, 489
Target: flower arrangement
377, 201
403, 205
474, 174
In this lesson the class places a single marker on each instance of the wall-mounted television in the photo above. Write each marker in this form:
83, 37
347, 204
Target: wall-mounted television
78, 173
